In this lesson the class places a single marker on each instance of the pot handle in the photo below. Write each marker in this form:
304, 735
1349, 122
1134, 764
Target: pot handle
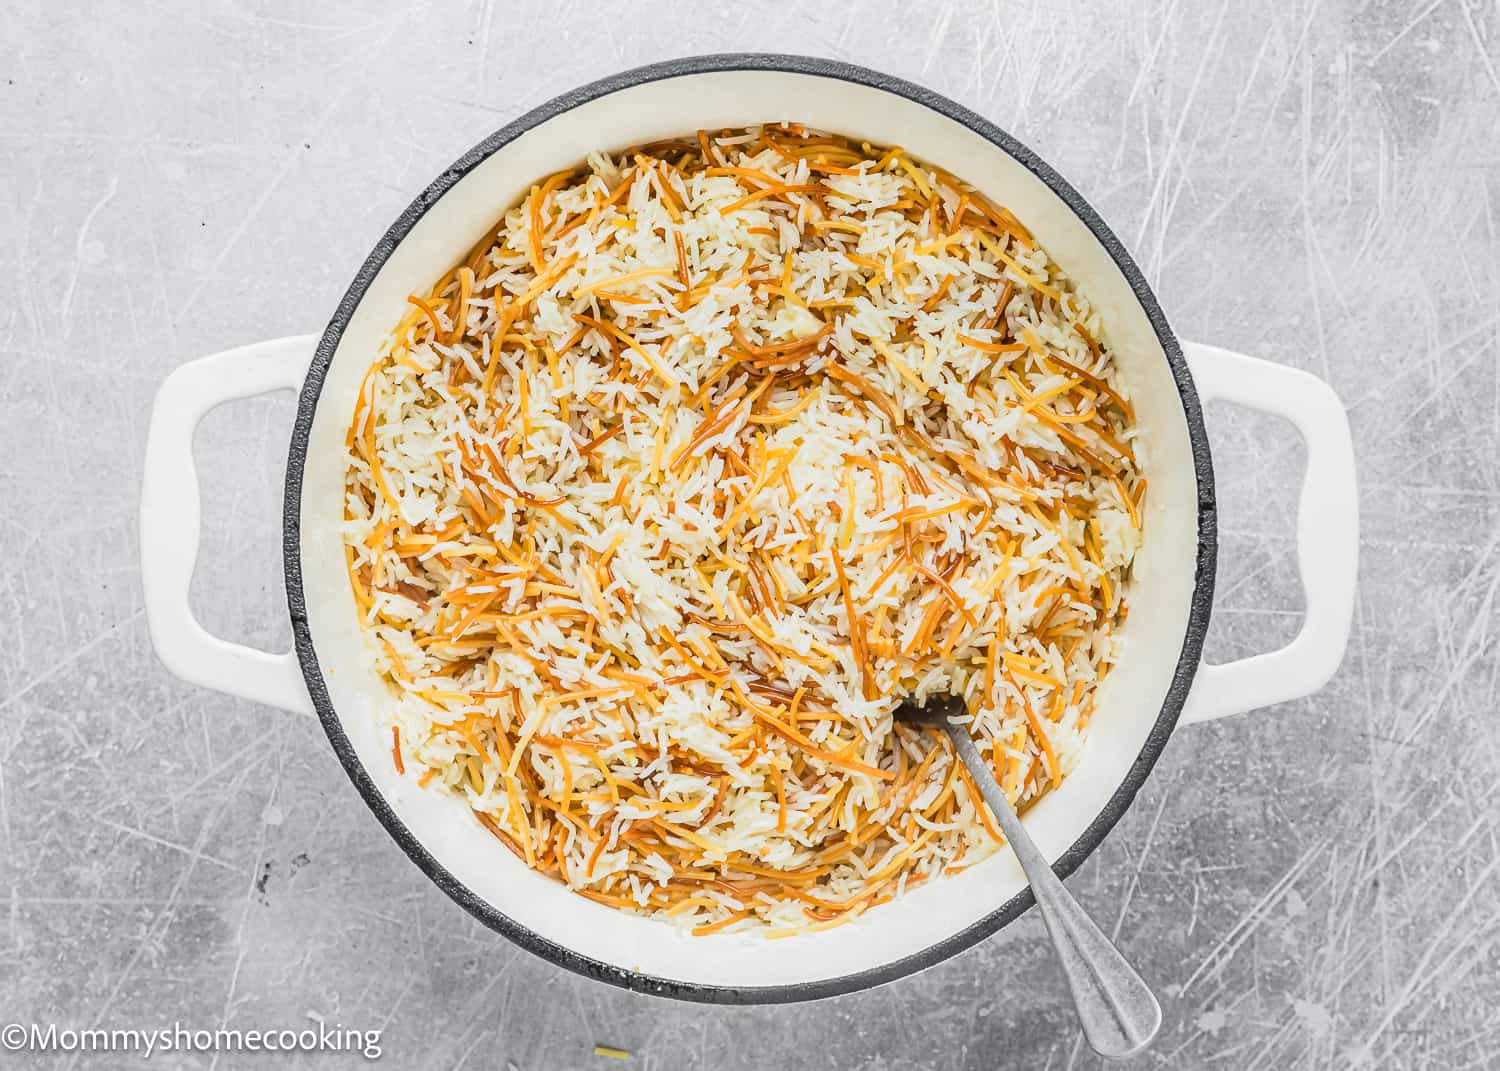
1327, 534
170, 521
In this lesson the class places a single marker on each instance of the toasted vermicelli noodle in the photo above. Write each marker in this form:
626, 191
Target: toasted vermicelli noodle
709, 455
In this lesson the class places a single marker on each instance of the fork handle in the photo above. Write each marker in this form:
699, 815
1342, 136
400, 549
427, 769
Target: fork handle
1116, 1009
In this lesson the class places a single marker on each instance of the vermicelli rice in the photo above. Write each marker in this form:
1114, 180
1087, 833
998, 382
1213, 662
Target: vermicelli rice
709, 455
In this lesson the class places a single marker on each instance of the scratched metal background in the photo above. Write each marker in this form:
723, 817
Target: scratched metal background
1312, 181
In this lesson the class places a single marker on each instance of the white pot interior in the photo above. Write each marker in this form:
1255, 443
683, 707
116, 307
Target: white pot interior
1164, 572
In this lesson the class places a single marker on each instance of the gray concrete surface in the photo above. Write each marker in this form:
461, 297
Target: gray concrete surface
1312, 181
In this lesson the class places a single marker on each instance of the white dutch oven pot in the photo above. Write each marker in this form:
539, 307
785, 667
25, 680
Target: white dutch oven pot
1159, 682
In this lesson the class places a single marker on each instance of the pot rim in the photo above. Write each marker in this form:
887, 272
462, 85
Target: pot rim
1182, 678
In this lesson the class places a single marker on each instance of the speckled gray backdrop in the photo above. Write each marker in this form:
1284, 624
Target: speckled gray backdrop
1312, 886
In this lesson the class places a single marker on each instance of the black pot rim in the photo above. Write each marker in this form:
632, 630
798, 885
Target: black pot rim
480, 908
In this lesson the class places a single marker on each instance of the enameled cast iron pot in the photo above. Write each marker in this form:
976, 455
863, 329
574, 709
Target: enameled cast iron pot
1159, 683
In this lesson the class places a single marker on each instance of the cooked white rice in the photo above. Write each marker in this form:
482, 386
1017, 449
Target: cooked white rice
715, 451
